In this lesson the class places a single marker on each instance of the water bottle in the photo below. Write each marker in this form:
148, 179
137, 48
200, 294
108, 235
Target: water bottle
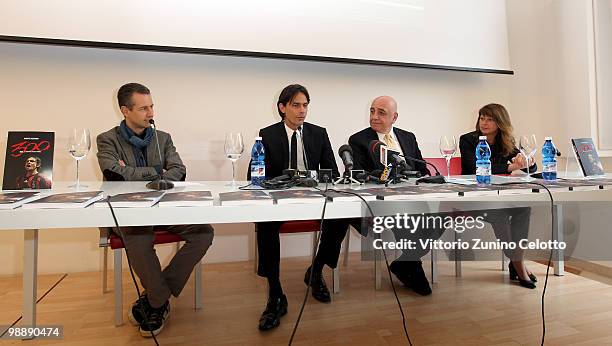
549, 160
483, 162
258, 162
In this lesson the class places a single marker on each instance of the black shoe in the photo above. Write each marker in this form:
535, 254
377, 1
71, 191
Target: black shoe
319, 289
155, 320
275, 309
411, 274
525, 283
138, 310
400, 270
418, 280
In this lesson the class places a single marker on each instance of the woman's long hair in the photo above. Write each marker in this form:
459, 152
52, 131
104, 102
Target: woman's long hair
502, 119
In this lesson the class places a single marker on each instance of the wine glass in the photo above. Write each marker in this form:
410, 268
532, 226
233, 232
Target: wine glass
448, 146
79, 145
528, 147
234, 147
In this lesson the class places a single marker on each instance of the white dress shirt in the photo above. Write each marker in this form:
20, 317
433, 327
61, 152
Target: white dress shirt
398, 147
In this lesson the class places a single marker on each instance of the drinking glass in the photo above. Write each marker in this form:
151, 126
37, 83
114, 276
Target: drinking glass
528, 147
448, 146
234, 147
79, 144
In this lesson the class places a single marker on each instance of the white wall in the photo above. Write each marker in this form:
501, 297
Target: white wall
198, 98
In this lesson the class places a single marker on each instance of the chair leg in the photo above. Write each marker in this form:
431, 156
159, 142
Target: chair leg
256, 254
457, 259
117, 267
434, 265
105, 270
336, 280
503, 262
377, 269
347, 243
256, 258
197, 275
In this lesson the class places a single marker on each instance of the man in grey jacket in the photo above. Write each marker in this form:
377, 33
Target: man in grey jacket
128, 152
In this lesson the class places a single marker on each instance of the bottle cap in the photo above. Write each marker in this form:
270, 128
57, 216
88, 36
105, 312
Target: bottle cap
258, 138
548, 138
482, 137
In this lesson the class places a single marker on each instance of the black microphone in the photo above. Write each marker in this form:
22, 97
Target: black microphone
159, 183
433, 179
346, 154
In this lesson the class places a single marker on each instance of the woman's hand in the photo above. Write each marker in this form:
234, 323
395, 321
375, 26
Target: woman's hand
519, 162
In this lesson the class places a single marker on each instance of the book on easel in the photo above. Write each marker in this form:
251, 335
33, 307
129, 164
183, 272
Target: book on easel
587, 157
29, 160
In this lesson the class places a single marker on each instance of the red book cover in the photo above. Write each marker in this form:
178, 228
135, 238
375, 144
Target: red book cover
29, 160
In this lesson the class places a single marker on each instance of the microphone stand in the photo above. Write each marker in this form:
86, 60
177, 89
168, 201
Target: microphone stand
347, 179
159, 183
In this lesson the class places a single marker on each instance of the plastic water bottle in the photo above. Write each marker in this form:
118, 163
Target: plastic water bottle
549, 160
258, 162
483, 162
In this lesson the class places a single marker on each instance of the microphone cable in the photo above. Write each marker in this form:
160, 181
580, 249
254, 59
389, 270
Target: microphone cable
552, 234
142, 310
399, 304
314, 253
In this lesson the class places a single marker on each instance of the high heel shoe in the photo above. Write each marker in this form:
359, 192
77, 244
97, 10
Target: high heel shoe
514, 276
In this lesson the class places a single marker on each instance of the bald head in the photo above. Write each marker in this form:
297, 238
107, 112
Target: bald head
383, 113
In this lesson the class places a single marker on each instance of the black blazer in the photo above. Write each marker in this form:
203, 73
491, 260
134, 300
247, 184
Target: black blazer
499, 162
317, 147
363, 159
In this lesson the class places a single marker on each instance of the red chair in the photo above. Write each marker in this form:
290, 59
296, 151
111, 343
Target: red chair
110, 239
440, 163
303, 226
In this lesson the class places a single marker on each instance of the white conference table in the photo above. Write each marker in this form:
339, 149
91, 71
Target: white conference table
33, 220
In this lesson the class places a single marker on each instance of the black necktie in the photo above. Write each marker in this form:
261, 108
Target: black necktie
293, 163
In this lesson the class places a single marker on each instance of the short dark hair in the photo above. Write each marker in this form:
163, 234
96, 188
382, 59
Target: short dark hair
287, 95
38, 160
124, 95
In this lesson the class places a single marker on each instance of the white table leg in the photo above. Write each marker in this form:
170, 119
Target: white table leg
558, 256
30, 271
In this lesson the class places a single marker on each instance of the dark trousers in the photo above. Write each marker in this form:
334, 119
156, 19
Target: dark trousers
268, 245
160, 284
510, 225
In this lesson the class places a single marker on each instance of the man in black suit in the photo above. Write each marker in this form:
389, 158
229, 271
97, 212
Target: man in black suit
383, 113
292, 143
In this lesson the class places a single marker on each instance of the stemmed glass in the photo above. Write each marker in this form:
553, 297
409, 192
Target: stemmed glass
528, 147
234, 147
79, 145
448, 146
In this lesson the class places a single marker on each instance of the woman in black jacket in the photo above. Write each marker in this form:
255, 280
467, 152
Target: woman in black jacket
512, 224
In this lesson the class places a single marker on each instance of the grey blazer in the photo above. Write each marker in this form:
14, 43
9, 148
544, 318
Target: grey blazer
112, 148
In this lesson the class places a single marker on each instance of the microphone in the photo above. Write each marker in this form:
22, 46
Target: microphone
346, 154
159, 183
401, 164
375, 150
433, 179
